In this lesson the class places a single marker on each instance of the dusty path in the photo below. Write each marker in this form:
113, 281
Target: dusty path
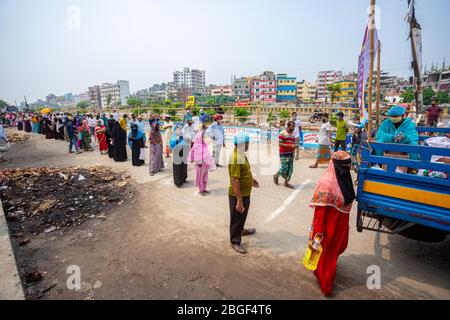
173, 244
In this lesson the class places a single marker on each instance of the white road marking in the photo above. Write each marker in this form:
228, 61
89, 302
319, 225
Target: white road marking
288, 201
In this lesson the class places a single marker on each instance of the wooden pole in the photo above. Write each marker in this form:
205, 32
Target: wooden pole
378, 85
418, 92
372, 57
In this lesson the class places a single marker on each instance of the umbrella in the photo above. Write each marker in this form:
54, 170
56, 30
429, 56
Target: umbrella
46, 110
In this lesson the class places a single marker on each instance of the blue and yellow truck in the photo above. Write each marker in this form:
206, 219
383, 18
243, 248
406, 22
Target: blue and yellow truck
397, 202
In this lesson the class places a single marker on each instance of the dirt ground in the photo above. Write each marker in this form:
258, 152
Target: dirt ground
173, 243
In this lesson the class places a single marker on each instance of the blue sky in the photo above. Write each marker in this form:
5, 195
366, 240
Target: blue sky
145, 41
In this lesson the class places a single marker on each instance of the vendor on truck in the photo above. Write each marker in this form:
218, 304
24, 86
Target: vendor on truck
398, 129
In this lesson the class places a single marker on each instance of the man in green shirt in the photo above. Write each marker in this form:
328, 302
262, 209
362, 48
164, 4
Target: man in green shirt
342, 127
239, 191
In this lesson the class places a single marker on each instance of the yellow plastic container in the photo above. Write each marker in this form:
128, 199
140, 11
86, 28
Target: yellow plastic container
312, 256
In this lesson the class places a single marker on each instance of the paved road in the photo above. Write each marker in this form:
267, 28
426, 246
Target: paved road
198, 227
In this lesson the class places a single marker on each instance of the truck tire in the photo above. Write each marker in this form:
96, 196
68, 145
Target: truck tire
359, 226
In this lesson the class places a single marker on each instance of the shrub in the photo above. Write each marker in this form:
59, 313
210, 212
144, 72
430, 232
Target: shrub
242, 114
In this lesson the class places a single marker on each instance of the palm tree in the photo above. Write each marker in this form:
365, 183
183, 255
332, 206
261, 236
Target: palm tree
334, 89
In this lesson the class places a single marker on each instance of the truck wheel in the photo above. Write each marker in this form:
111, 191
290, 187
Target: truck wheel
359, 223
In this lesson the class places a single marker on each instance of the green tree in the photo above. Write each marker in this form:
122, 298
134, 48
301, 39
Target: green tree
3, 104
271, 118
442, 97
134, 102
108, 100
284, 114
428, 96
242, 114
408, 96
334, 89
83, 105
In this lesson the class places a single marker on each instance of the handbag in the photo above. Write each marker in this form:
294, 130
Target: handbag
142, 155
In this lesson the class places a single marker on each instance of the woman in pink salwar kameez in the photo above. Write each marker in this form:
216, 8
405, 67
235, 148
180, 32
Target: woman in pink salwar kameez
203, 161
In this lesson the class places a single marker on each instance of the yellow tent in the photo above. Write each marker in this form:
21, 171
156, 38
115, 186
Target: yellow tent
46, 110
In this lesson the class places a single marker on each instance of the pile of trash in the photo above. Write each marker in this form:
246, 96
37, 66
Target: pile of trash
14, 137
42, 200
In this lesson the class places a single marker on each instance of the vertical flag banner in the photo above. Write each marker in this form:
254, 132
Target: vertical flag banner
363, 70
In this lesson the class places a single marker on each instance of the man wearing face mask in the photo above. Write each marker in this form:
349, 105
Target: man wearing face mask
342, 127
398, 129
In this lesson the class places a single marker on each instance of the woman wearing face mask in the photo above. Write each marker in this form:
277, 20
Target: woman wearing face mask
398, 129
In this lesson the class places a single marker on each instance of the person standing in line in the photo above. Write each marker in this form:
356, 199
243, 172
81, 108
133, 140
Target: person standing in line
200, 156
297, 134
180, 158
324, 140
287, 145
156, 150
168, 132
188, 133
100, 132
136, 143
196, 122
239, 191
217, 133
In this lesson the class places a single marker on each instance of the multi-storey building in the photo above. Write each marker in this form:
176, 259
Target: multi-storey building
286, 88
241, 88
193, 79
222, 91
325, 78
348, 93
306, 91
119, 93
264, 88
95, 96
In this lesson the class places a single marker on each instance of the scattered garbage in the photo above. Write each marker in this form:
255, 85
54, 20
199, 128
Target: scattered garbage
43, 200
17, 138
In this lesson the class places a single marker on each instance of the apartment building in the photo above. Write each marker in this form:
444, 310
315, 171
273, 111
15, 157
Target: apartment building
94, 96
241, 88
222, 91
286, 88
119, 93
264, 88
306, 91
325, 78
193, 79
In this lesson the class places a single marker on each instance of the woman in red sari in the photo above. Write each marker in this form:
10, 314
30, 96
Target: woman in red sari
100, 132
332, 201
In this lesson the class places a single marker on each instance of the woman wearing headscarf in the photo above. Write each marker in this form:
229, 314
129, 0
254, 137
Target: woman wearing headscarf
35, 122
27, 122
60, 128
332, 203
48, 128
180, 155
119, 142
156, 149
109, 137
203, 161
168, 131
136, 143
86, 136
20, 123
100, 133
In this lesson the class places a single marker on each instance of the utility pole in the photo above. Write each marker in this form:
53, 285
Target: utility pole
378, 85
372, 58
413, 24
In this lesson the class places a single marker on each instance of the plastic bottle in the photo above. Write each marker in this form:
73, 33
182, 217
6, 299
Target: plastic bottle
312, 254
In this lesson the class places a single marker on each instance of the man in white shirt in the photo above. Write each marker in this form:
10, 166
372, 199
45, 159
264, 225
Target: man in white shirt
324, 141
188, 133
216, 132
297, 131
92, 123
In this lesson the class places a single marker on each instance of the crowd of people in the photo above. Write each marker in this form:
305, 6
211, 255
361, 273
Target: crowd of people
186, 143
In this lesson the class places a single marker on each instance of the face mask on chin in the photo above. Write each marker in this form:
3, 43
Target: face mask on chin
396, 119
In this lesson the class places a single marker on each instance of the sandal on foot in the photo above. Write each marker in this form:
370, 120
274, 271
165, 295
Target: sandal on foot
238, 248
275, 179
248, 232
288, 185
